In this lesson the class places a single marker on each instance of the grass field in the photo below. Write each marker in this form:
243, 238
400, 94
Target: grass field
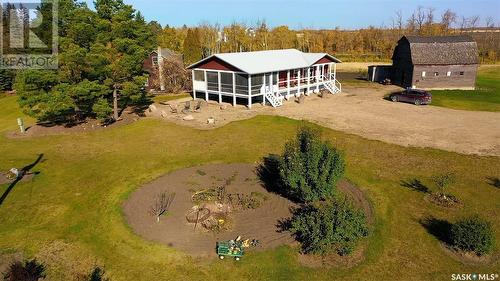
486, 97
70, 216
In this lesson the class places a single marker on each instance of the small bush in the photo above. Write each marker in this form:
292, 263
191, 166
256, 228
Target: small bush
28, 271
473, 234
309, 168
335, 225
443, 181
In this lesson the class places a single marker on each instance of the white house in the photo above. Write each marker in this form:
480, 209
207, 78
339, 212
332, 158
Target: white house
264, 76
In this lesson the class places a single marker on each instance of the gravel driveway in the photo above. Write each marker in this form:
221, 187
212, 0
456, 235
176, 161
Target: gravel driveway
363, 111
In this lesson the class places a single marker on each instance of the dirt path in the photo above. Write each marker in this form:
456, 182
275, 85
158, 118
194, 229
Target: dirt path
363, 111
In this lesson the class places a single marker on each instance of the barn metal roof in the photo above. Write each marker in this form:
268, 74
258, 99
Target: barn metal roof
268, 61
443, 50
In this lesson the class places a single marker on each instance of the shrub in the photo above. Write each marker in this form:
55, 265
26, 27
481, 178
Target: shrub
443, 181
472, 234
333, 225
309, 168
102, 109
27, 271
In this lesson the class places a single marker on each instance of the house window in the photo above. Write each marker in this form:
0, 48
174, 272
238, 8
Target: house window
461, 73
199, 75
448, 73
154, 60
436, 73
423, 73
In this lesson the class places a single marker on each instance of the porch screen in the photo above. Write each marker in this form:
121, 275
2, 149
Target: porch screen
257, 81
226, 82
212, 81
241, 84
199, 75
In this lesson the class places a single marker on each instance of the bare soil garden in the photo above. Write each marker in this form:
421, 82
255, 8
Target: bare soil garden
176, 231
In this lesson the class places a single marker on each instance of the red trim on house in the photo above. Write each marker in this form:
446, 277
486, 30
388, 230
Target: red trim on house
325, 59
215, 63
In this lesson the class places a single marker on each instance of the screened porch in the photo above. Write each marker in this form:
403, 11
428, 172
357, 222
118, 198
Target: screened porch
217, 84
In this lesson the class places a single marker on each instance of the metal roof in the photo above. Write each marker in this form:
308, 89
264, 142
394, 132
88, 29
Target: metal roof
268, 61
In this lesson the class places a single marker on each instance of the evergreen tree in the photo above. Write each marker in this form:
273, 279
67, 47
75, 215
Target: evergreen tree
6, 79
100, 61
192, 47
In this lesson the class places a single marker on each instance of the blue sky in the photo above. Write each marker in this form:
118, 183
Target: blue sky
302, 13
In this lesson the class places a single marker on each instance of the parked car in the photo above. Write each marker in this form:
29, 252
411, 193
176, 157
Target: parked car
414, 96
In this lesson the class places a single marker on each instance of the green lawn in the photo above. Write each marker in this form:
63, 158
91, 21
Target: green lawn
70, 215
486, 97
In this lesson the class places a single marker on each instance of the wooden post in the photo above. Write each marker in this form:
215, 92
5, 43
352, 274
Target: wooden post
317, 77
308, 78
271, 83
288, 84
234, 89
249, 91
298, 83
219, 86
192, 79
206, 84
264, 93
20, 122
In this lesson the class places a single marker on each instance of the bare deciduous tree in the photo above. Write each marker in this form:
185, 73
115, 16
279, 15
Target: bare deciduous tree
474, 21
176, 78
161, 204
490, 22
464, 23
429, 18
448, 18
419, 18
398, 21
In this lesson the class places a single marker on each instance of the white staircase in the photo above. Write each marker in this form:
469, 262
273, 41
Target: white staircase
333, 85
273, 99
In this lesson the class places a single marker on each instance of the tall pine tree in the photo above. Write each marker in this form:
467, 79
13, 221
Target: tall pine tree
192, 47
100, 64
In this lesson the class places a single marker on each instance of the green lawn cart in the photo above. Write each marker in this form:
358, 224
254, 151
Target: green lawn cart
231, 248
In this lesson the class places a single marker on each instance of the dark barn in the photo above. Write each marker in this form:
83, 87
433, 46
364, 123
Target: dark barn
435, 62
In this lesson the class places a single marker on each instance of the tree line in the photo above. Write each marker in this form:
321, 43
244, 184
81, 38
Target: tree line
367, 44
